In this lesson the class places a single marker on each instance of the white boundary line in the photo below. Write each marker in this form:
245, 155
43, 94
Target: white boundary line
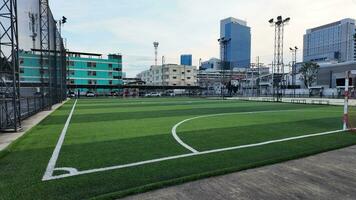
52, 162
77, 173
180, 141
74, 172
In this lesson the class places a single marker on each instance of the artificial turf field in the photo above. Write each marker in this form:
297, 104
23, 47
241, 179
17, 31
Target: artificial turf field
115, 147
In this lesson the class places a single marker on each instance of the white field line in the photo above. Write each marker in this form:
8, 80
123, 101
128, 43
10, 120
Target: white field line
188, 155
52, 162
167, 103
180, 141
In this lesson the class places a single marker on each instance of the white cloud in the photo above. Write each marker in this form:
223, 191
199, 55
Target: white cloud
187, 26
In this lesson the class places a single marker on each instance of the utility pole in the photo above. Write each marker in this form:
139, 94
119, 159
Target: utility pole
259, 76
163, 60
33, 28
294, 67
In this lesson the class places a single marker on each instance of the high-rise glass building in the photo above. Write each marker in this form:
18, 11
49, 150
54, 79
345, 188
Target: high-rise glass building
237, 49
186, 60
331, 42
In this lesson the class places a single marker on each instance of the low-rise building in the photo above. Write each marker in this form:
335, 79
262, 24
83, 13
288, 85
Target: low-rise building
88, 72
170, 75
84, 72
211, 64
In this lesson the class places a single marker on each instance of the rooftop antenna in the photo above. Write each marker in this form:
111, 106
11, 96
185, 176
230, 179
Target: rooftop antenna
33, 28
156, 44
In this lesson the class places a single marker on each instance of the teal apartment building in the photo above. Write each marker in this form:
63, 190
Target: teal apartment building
86, 72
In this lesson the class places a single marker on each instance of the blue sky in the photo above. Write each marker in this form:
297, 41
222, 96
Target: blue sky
186, 26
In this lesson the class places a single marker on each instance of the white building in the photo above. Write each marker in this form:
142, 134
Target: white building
170, 75
212, 64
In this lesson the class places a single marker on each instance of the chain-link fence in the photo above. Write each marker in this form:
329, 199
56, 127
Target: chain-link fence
41, 63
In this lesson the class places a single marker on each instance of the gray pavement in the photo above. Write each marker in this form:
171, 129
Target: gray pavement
325, 176
7, 138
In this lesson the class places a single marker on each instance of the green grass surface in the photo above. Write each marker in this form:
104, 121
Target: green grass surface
110, 132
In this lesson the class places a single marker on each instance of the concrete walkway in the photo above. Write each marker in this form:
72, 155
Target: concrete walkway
7, 138
325, 176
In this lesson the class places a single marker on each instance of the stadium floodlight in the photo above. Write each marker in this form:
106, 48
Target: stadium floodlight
286, 20
279, 18
64, 20
271, 21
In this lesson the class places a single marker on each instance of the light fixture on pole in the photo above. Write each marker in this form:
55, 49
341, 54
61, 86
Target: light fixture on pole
155, 45
278, 63
223, 56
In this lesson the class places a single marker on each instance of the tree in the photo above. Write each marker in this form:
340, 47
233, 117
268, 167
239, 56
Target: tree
309, 72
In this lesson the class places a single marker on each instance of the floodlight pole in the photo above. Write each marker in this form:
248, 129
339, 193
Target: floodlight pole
10, 117
278, 63
223, 46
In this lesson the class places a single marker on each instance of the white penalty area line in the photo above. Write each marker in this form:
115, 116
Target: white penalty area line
52, 162
77, 173
185, 145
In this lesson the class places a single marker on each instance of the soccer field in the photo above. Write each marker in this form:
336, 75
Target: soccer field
109, 148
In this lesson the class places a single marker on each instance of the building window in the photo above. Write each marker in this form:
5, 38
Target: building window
72, 82
71, 72
91, 64
44, 62
21, 61
110, 73
183, 72
92, 82
70, 63
188, 71
110, 66
110, 82
22, 70
174, 77
188, 78
174, 70
91, 73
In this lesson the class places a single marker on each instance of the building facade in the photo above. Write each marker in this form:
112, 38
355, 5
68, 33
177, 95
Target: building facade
186, 60
85, 72
212, 64
238, 48
333, 42
89, 72
49, 80
170, 75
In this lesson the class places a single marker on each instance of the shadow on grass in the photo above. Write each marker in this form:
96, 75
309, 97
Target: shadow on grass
118, 152
115, 116
207, 139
